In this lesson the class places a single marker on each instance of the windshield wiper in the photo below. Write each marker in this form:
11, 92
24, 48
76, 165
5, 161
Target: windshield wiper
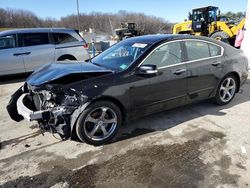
97, 64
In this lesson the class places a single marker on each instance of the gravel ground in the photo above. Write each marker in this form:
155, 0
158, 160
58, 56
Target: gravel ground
200, 145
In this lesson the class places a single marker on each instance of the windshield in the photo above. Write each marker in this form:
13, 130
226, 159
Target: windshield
120, 56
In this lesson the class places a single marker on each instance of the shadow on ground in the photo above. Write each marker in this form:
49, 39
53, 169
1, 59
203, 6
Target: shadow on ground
176, 165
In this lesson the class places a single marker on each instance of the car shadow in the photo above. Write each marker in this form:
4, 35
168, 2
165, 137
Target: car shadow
167, 119
9, 79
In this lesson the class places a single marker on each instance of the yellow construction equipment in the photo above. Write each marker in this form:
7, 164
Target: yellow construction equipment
207, 21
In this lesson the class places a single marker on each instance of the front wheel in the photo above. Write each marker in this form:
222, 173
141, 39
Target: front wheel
99, 123
226, 90
221, 36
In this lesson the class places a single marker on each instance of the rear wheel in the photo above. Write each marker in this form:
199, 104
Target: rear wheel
226, 90
99, 123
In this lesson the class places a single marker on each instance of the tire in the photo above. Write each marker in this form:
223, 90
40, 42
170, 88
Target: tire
221, 36
226, 90
99, 123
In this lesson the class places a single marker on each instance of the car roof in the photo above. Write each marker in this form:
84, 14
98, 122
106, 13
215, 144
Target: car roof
151, 38
154, 39
34, 30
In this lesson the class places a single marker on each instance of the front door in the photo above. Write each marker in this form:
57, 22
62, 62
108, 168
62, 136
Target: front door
165, 90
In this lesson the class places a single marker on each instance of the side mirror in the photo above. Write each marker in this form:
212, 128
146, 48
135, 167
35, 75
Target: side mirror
147, 70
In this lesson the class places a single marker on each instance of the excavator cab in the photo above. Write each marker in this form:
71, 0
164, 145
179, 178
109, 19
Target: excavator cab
207, 21
202, 19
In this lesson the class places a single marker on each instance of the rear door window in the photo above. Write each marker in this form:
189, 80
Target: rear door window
32, 39
8, 41
197, 50
214, 50
61, 38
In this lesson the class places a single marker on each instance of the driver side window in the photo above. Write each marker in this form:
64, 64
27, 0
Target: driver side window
168, 54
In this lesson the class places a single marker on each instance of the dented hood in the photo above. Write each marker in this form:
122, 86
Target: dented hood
57, 70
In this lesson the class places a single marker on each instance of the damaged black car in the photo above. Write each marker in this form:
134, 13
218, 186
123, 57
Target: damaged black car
136, 77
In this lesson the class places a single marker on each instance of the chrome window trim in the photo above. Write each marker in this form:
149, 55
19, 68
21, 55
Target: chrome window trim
185, 62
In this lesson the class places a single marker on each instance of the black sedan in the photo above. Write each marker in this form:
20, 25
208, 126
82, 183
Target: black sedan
133, 78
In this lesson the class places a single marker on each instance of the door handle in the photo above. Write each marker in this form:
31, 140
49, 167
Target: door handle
17, 54
26, 53
180, 71
216, 63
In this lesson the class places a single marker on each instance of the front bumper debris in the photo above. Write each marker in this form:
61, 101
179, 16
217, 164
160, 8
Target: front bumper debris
55, 111
27, 113
12, 105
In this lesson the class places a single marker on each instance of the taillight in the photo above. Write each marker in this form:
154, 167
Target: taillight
86, 46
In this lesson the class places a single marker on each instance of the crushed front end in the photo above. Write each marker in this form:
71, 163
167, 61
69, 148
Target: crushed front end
51, 105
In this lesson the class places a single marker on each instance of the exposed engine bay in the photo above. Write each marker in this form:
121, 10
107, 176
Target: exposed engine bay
52, 107
47, 98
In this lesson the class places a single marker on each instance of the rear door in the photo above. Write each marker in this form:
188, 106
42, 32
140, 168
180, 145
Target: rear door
165, 90
11, 61
36, 50
203, 65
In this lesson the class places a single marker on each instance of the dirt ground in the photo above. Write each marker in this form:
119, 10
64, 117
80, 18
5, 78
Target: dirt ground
200, 145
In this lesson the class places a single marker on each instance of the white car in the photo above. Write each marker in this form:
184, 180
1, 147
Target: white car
24, 50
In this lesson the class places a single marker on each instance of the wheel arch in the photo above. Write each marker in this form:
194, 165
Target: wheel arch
102, 98
66, 56
237, 76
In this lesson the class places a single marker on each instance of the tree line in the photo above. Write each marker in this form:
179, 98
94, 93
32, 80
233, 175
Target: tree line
100, 22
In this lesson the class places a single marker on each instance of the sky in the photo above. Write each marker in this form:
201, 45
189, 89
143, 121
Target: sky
171, 10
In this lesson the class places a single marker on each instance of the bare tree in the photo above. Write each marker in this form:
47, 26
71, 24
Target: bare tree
98, 21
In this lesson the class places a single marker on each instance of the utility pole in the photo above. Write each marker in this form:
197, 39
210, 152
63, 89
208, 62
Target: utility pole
78, 15
111, 26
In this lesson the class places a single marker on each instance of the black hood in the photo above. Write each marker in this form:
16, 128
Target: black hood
54, 71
